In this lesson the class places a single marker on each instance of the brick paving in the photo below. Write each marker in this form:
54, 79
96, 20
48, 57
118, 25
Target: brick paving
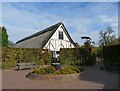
91, 78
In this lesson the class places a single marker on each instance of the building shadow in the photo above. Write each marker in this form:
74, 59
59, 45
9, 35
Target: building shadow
100, 76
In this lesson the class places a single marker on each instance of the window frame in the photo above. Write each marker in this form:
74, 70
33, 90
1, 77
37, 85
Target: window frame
61, 35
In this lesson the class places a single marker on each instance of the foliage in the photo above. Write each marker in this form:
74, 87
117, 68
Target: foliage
8, 64
91, 59
99, 52
41, 71
111, 53
74, 69
10, 43
51, 70
46, 58
76, 56
20, 55
0, 36
3, 37
88, 42
67, 71
111, 57
44, 70
119, 40
85, 37
107, 37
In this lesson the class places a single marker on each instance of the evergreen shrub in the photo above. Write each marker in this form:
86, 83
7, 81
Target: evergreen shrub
10, 56
77, 56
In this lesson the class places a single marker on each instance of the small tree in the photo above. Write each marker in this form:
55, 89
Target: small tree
4, 39
107, 37
88, 42
0, 36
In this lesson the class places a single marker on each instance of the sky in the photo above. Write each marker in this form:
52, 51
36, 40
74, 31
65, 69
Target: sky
80, 18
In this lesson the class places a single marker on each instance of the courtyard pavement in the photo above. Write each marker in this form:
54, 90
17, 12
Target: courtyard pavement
91, 78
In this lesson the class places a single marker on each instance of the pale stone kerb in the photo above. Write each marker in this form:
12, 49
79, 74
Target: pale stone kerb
53, 77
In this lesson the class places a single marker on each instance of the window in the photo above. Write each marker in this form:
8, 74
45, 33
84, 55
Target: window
60, 35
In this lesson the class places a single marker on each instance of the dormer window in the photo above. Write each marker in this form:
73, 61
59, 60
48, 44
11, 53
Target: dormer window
60, 35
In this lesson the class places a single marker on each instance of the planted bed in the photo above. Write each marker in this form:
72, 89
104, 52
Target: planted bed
49, 73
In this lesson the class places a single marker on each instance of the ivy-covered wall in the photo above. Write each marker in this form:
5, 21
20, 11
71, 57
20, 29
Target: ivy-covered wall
77, 56
10, 56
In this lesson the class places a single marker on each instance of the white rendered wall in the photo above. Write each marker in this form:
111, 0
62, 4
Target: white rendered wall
54, 43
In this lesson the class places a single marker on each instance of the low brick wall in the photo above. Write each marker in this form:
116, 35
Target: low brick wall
53, 77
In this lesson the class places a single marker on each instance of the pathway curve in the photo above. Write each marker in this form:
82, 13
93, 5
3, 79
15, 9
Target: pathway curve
91, 78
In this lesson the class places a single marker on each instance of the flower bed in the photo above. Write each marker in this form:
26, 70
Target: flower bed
49, 73
33, 76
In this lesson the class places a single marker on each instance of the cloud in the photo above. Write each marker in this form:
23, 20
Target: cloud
111, 21
80, 19
25, 18
60, 1
21, 23
0, 13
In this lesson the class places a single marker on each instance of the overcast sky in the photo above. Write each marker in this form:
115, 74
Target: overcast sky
80, 18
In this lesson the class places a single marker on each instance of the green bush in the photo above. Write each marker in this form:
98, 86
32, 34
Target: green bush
50, 69
10, 56
40, 71
8, 64
111, 58
77, 56
91, 59
74, 69
67, 71
44, 70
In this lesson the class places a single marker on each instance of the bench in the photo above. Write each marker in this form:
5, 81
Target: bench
21, 66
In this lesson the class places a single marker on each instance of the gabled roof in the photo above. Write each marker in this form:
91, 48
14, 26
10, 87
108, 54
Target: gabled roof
35, 41
51, 28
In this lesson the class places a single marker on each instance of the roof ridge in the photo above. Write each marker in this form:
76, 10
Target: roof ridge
40, 32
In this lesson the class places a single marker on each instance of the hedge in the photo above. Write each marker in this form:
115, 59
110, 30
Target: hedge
10, 56
111, 57
77, 56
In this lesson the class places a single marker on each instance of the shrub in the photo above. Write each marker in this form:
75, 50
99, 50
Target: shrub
67, 71
44, 70
40, 71
10, 56
111, 58
8, 64
50, 69
74, 69
91, 59
77, 56
57, 72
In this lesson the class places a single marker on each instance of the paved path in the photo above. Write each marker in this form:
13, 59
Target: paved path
91, 78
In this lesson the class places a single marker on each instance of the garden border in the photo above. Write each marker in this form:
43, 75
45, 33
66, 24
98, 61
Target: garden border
33, 76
